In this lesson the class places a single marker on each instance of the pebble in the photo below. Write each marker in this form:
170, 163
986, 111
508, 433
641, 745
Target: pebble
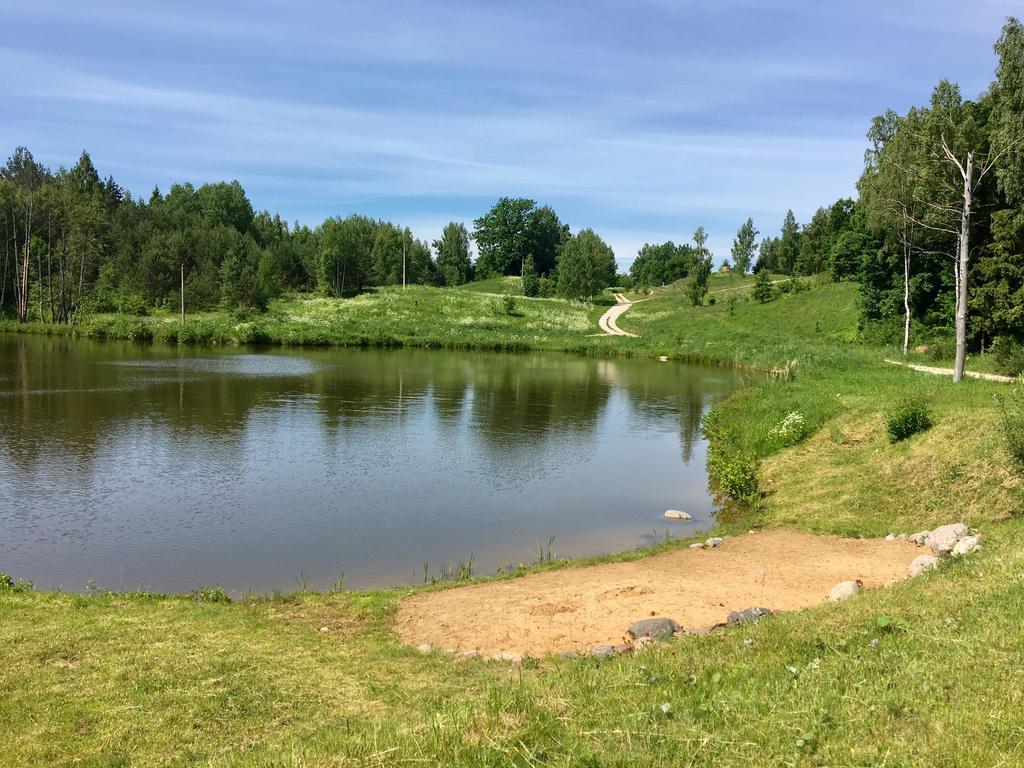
697, 545
921, 564
714, 541
845, 589
468, 655
602, 651
890, 537
325, 629
677, 514
919, 538
902, 537
425, 648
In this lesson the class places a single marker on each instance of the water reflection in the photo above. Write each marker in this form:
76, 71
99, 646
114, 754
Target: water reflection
246, 468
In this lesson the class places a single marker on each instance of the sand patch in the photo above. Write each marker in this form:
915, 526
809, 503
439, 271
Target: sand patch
575, 609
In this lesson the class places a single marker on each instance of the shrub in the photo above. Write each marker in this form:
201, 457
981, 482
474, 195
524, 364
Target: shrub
215, 595
1009, 355
508, 305
907, 418
130, 304
734, 469
763, 290
8, 584
1013, 427
942, 348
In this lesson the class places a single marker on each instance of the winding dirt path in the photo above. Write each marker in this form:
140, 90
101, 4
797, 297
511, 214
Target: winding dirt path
608, 321
949, 372
577, 608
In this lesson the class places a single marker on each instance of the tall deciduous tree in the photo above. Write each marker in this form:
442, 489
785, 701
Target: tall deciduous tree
701, 272
453, 260
743, 247
503, 237
586, 266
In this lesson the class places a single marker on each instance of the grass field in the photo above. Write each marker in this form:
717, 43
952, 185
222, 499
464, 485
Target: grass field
921, 674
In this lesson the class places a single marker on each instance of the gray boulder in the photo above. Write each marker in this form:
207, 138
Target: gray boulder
656, 629
677, 514
921, 564
944, 538
966, 545
845, 589
747, 616
919, 538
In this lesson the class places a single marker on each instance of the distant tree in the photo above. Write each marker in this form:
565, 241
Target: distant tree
345, 249
453, 261
701, 273
743, 247
586, 266
788, 245
531, 281
545, 234
763, 290
661, 264
503, 237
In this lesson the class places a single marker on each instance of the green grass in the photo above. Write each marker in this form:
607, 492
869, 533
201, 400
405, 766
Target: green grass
512, 286
920, 674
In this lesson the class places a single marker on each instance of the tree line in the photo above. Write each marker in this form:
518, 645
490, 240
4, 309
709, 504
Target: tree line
936, 236
73, 242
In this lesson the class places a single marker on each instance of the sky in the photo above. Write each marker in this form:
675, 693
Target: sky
641, 119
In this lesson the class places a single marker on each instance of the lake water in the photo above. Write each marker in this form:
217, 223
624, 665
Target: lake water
168, 468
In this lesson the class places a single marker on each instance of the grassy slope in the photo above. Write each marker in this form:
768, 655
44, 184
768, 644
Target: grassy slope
109, 679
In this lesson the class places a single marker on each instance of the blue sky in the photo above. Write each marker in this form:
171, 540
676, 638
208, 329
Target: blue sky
639, 119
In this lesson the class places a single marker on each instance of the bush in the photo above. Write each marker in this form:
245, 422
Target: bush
8, 584
508, 305
734, 469
909, 417
1009, 355
941, 349
1013, 427
791, 430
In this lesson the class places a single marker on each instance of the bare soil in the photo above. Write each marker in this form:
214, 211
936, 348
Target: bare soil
576, 609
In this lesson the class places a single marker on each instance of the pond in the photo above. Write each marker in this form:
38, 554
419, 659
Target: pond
163, 468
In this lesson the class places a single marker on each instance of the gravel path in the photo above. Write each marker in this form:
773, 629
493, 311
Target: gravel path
949, 372
608, 319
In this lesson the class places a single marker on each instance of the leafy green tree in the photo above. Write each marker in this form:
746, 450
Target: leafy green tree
698, 287
788, 245
545, 235
453, 261
531, 281
503, 237
586, 266
345, 249
743, 247
763, 290
1007, 118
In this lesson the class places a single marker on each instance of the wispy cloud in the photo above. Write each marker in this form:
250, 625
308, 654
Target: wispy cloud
639, 119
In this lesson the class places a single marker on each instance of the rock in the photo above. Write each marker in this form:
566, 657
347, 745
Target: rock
747, 616
944, 538
919, 538
568, 655
714, 541
655, 629
325, 629
677, 514
890, 537
902, 537
425, 648
845, 589
642, 642
697, 545
623, 648
515, 659
603, 651
966, 545
921, 564
468, 655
